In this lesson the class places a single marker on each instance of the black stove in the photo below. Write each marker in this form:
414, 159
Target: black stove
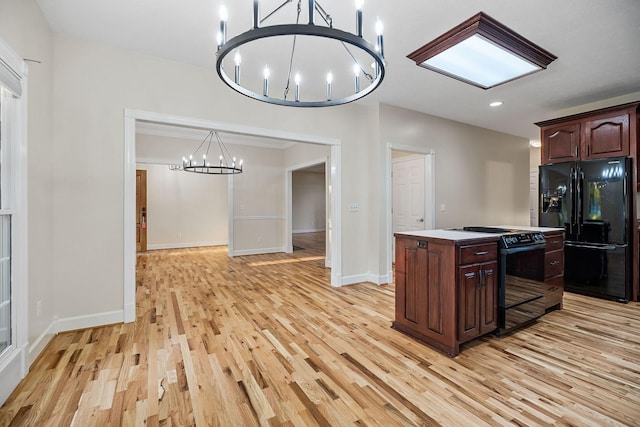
521, 276
511, 238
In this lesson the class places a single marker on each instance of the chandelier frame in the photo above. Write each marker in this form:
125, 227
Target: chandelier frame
308, 29
227, 164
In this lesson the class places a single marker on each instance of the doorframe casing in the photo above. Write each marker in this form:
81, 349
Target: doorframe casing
429, 197
129, 245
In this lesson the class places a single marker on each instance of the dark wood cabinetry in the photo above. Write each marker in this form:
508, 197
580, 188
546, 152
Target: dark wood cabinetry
553, 271
446, 294
477, 272
561, 143
595, 135
608, 132
477, 300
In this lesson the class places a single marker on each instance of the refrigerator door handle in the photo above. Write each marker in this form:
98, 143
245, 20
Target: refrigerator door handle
578, 203
593, 246
572, 198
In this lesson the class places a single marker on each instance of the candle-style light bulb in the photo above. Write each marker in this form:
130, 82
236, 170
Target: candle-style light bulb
379, 31
329, 81
220, 160
265, 86
297, 80
224, 13
356, 73
224, 16
238, 60
359, 4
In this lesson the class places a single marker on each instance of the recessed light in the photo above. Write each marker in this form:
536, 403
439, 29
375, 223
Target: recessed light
495, 104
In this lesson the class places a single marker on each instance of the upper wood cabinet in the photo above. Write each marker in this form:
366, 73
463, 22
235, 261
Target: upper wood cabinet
609, 132
560, 143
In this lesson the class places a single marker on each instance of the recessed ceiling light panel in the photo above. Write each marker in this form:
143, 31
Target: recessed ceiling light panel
482, 52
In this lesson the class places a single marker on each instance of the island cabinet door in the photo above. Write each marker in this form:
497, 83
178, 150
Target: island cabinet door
489, 298
468, 302
477, 300
424, 291
415, 285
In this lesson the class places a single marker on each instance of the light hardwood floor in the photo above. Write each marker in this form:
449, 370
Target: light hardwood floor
264, 340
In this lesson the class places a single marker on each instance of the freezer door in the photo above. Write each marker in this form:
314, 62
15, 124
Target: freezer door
604, 200
557, 195
600, 270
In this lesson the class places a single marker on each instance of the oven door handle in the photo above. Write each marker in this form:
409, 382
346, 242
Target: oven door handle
534, 247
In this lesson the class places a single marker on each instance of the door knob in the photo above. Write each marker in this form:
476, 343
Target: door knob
420, 220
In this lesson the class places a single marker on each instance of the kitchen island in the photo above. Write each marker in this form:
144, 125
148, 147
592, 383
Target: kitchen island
448, 284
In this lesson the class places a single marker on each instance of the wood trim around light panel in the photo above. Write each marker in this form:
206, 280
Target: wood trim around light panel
487, 27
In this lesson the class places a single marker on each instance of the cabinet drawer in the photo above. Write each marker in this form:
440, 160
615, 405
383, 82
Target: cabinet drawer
478, 253
554, 242
553, 264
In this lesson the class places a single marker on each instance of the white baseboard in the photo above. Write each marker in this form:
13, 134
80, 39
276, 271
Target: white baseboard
352, 280
184, 245
72, 324
89, 321
41, 342
261, 251
362, 278
381, 279
310, 230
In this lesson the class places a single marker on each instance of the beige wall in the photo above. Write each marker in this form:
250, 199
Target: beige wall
482, 176
259, 201
185, 209
308, 202
24, 29
76, 225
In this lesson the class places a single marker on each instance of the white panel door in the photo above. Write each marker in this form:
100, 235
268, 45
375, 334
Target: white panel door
408, 195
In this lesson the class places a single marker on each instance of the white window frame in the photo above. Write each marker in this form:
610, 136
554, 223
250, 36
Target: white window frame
14, 362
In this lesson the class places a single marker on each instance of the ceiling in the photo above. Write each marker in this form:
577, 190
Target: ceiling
596, 43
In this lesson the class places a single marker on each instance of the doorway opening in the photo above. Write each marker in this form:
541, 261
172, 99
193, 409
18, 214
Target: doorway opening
308, 217
410, 194
131, 117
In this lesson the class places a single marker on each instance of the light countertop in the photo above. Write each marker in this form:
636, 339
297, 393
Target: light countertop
453, 235
529, 228
457, 235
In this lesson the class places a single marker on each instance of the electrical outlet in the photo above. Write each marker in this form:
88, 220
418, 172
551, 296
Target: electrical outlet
443, 208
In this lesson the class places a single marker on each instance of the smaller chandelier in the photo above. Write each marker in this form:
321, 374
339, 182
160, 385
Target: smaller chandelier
224, 165
350, 53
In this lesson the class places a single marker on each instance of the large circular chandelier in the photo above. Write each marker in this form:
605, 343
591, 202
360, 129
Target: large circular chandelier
278, 79
226, 164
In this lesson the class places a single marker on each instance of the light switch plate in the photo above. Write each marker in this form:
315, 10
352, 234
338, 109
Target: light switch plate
354, 207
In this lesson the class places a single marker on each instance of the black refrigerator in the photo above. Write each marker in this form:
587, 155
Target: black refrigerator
590, 199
